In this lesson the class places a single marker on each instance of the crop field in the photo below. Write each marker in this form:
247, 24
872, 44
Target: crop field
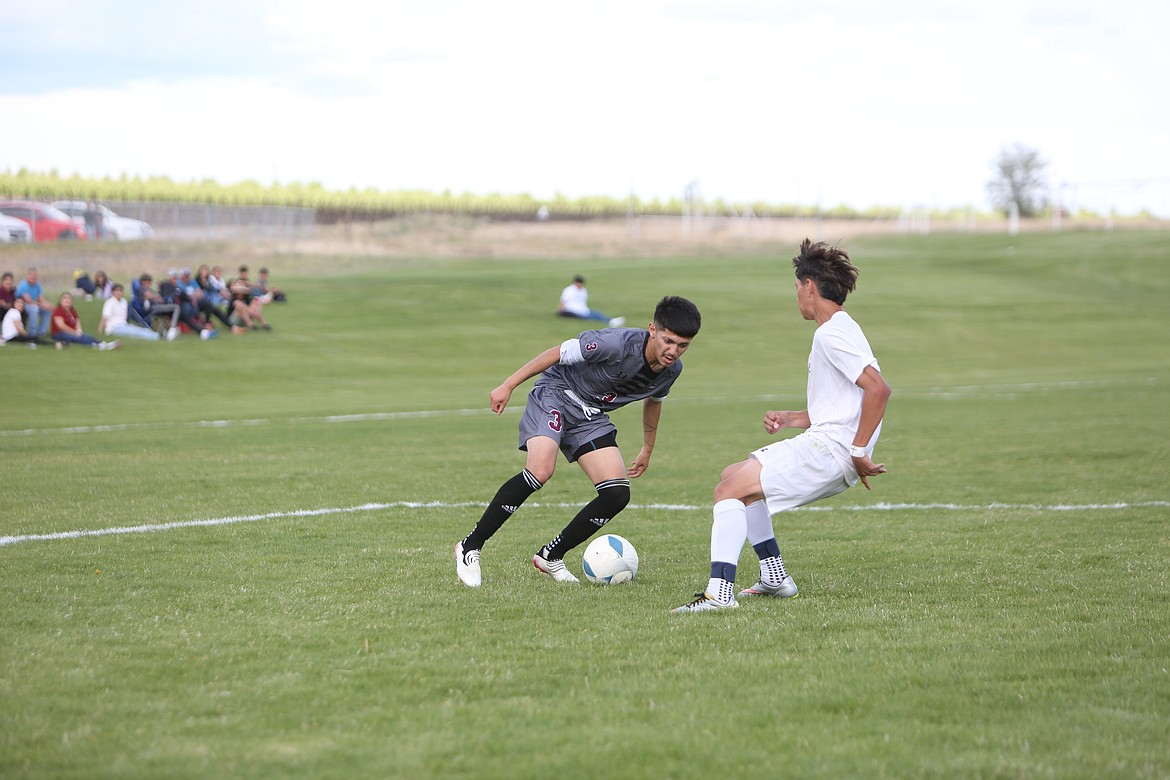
233, 558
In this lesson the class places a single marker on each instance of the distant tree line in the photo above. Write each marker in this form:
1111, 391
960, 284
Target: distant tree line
353, 204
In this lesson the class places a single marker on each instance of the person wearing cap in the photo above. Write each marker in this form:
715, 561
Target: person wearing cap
574, 302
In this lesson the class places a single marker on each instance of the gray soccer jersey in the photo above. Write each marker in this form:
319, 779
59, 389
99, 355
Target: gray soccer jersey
614, 371
569, 402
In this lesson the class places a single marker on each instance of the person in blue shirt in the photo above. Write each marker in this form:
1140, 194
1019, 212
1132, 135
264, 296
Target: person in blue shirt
37, 309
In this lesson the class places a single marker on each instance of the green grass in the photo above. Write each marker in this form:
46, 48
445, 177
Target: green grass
995, 607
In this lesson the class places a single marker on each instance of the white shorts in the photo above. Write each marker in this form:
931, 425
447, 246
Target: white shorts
799, 471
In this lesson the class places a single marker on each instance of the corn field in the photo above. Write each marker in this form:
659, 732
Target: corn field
367, 205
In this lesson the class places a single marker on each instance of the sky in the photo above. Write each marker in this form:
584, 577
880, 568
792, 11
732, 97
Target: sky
837, 102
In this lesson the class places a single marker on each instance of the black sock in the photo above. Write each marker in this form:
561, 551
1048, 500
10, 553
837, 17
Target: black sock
612, 497
507, 500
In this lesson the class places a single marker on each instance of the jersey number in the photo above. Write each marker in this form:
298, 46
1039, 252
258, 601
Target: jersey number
555, 421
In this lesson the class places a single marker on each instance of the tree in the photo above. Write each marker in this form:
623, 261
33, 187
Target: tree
1019, 181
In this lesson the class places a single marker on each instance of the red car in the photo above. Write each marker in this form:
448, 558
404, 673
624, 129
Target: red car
48, 222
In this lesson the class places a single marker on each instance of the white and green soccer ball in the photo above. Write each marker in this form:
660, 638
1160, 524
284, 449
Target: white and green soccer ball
610, 559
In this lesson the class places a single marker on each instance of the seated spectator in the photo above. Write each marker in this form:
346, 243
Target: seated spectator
115, 319
217, 283
67, 327
196, 299
7, 292
216, 293
103, 288
574, 302
146, 305
83, 283
246, 308
173, 293
211, 291
37, 309
12, 328
264, 288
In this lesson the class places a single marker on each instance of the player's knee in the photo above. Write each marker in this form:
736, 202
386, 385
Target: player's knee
615, 495
542, 475
722, 491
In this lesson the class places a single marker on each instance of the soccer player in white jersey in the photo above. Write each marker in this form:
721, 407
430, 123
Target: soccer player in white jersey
846, 397
581, 381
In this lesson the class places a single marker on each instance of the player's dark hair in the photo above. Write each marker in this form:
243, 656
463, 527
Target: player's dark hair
829, 267
677, 315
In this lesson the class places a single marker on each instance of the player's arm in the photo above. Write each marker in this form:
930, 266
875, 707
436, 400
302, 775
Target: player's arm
547, 359
774, 421
873, 408
651, 414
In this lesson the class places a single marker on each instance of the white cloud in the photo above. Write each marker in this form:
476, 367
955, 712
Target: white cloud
833, 103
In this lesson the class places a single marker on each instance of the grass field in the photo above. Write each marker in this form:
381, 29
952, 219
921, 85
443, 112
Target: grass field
233, 558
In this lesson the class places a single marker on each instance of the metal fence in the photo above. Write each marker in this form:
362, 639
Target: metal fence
198, 221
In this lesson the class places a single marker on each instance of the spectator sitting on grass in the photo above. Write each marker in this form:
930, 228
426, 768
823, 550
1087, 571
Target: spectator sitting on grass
172, 293
115, 319
67, 327
37, 309
12, 329
7, 292
246, 306
103, 288
197, 299
146, 304
272, 293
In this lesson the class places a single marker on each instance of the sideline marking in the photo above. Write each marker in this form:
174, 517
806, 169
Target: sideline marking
879, 507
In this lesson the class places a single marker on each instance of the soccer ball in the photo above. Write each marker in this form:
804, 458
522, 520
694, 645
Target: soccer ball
610, 559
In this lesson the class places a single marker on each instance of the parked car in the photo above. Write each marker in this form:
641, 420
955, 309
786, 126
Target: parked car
14, 231
48, 222
113, 225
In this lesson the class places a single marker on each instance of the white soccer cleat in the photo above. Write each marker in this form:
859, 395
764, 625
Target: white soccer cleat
554, 568
467, 566
704, 603
785, 590
172, 334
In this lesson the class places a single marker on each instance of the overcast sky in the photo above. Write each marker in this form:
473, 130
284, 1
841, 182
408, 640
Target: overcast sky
900, 103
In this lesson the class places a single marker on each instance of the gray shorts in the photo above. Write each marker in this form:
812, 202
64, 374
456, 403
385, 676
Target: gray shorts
552, 413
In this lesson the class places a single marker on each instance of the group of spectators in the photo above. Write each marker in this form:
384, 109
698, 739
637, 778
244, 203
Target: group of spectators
182, 302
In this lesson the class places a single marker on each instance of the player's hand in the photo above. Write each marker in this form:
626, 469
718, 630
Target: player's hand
499, 398
866, 468
639, 466
774, 421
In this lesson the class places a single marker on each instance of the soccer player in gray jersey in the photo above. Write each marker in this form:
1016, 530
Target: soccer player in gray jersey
581, 381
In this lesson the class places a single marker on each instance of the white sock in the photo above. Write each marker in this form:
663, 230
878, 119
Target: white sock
759, 523
721, 590
728, 531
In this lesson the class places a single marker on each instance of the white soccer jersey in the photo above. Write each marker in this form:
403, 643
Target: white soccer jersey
840, 353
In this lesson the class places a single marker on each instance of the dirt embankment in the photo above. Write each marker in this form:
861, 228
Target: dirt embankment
408, 238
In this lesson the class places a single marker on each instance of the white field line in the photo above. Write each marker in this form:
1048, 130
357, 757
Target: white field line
336, 418
879, 507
